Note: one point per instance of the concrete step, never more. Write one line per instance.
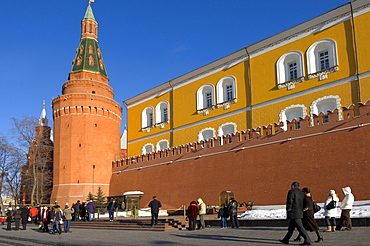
(132, 224)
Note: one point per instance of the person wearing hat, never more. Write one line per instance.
(9, 216)
(331, 211)
(154, 205)
(346, 207)
(67, 218)
(17, 218)
(294, 209)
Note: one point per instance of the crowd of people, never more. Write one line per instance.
(301, 208)
(198, 208)
(49, 218)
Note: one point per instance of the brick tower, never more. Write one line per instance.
(86, 123)
(36, 176)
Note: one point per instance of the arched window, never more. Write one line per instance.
(290, 67)
(227, 128)
(147, 117)
(292, 112)
(161, 112)
(325, 104)
(226, 89)
(322, 56)
(148, 148)
(205, 97)
(206, 133)
(162, 144)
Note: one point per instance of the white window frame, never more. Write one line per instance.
(144, 151)
(159, 112)
(144, 117)
(201, 98)
(282, 68)
(314, 109)
(220, 131)
(200, 134)
(313, 57)
(158, 145)
(222, 89)
(283, 113)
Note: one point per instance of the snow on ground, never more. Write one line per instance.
(361, 209)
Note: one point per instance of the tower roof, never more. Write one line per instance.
(89, 13)
(43, 121)
(88, 55)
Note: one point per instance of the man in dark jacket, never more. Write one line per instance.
(24, 216)
(155, 205)
(76, 208)
(233, 212)
(111, 208)
(294, 208)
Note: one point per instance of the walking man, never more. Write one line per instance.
(294, 208)
(202, 212)
(155, 205)
(111, 208)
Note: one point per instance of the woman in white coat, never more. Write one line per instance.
(331, 213)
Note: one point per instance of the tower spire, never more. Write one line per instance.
(43, 121)
(88, 55)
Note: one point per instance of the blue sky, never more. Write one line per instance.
(144, 42)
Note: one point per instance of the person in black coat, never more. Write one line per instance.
(111, 208)
(76, 208)
(9, 216)
(294, 207)
(233, 212)
(308, 220)
(24, 216)
(155, 205)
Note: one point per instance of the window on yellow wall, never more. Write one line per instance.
(205, 97)
(161, 112)
(325, 104)
(226, 89)
(148, 148)
(206, 133)
(147, 117)
(227, 128)
(292, 112)
(289, 67)
(162, 144)
(321, 55)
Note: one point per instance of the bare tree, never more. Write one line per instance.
(10, 162)
(34, 137)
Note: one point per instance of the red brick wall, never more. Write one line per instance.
(322, 157)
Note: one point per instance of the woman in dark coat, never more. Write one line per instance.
(192, 214)
(9, 216)
(24, 216)
(308, 220)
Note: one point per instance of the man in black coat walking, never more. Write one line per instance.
(76, 208)
(155, 205)
(294, 208)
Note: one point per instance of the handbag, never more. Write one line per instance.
(61, 221)
(331, 205)
(316, 208)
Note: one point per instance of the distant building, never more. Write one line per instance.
(37, 175)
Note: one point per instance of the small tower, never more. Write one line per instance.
(86, 123)
(37, 175)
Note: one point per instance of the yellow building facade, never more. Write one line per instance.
(317, 66)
